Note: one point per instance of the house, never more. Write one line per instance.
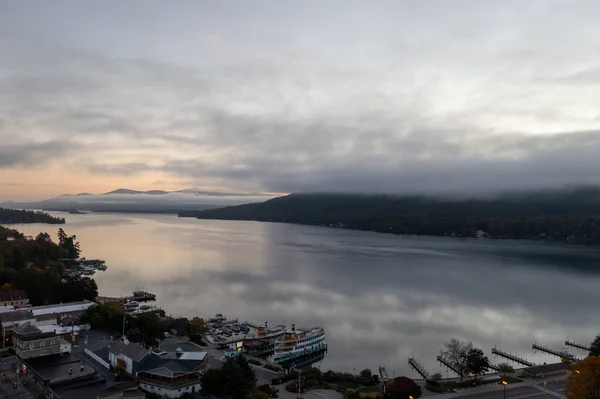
(12, 319)
(177, 326)
(15, 298)
(166, 374)
(172, 375)
(127, 356)
(31, 342)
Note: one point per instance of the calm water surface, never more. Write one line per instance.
(381, 298)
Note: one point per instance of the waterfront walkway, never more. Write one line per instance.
(527, 389)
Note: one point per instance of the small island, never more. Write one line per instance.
(21, 216)
(76, 212)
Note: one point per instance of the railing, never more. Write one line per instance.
(560, 354)
(514, 358)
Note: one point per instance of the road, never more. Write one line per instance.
(553, 390)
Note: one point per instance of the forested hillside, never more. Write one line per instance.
(572, 215)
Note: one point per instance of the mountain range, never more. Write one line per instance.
(151, 201)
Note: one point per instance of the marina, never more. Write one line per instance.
(281, 348)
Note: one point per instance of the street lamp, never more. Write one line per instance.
(505, 384)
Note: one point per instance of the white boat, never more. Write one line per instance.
(297, 343)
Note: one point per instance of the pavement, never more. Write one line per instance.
(311, 394)
(552, 390)
(8, 375)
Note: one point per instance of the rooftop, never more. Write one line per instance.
(61, 308)
(133, 351)
(17, 315)
(60, 329)
(27, 329)
(55, 368)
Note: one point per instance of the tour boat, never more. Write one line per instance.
(299, 347)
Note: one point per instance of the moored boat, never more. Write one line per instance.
(299, 347)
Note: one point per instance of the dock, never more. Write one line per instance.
(412, 362)
(449, 366)
(138, 296)
(578, 345)
(561, 354)
(516, 359)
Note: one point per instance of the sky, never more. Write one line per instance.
(283, 96)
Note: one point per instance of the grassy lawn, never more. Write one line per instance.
(370, 389)
(347, 385)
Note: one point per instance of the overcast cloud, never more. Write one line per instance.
(281, 96)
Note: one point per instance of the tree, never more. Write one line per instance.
(76, 289)
(436, 377)
(366, 373)
(256, 394)
(402, 388)
(149, 327)
(248, 380)
(595, 346)
(107, 316)
(505, 368)
(196, 326)
(235, 378)
(455, 353)
(477, 362)
(584, 380)
(70, 247)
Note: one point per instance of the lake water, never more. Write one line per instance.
(381, 298)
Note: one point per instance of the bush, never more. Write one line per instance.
(351, 394)
(254, 361)
(402, 388)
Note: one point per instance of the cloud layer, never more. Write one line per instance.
(344, 96)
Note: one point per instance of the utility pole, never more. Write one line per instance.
(124, 315)
(299, 382)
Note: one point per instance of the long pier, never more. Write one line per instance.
(512, 357)
(560, 354)
(451, 367)
(412, 362)
(578, 345)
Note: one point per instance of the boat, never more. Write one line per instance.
(300, 347)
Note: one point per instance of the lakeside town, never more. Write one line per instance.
(73, 350)
(61, 339)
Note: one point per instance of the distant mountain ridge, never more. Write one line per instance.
(571, 214)
(150, 201)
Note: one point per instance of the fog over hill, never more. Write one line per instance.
(126, 200)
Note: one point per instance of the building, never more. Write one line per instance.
(15, 298)
(30, 342)
(53, 314)
(12, 319)
(166, 374)
(172, 374)
(127, 356)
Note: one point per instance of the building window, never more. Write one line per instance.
(43, 343)
(52, 341)
(31, 345)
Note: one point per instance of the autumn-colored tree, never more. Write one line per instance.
(6, 287)
(505, 368)
(584, 380)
